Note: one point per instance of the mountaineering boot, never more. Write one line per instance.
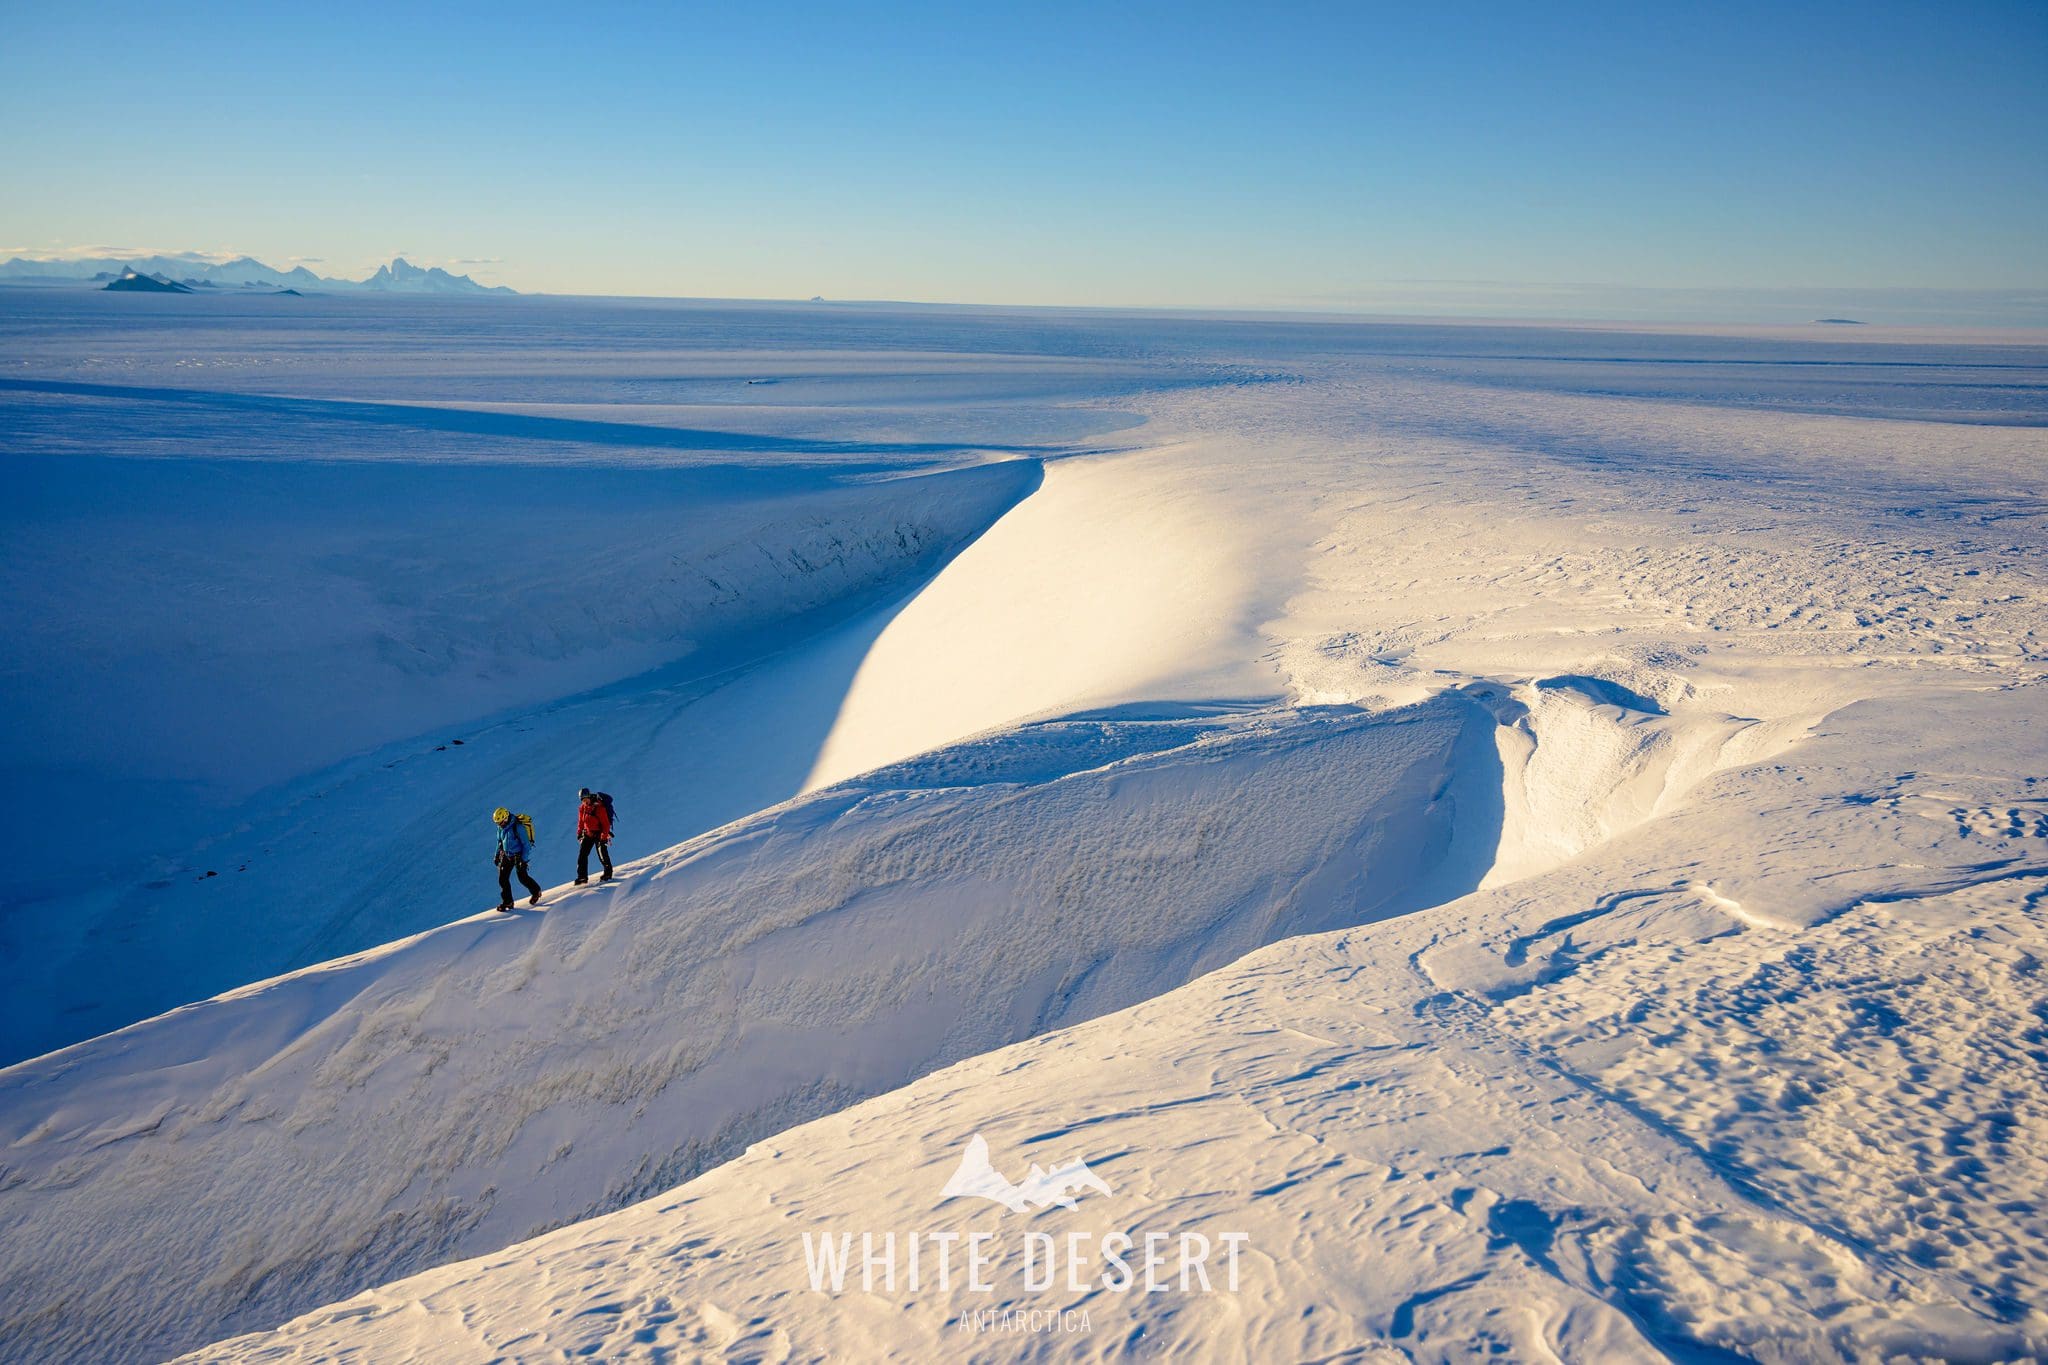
(534, 899)
(583, 881)
(607, 877)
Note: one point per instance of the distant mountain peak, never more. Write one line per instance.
(400, 276)
(403, 276)
(133, 281)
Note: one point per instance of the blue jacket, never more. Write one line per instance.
(512, 840)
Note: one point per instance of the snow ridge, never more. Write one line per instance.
(625, 608)
(315, 1134)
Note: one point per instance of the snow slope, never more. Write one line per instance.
(1018, 626)
(1611, 1112)
(1680, 757)
(284, 700)
(323, 1132)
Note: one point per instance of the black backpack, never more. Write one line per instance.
(611, 812)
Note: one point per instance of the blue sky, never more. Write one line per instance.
(1305, 156)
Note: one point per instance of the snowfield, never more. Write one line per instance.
(1485, 841)
(1565, 1121)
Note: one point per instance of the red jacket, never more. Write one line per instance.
(593, 821)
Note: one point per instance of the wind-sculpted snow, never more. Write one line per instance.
(1608, 1112)
(1750, 1075)
(1661, 711)
(303, 1138)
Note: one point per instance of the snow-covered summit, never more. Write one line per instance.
(133, 281)
(403, 277)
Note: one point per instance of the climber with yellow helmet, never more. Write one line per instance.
(515, 846)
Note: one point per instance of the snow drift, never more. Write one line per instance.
(297, 1140)
(1678, 1099)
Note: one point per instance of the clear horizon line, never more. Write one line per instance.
(1335, 313)
(1825, 299)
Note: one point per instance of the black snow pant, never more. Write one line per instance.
(604, 855)
(506, 867)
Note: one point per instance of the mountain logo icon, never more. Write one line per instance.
(1040, 1188)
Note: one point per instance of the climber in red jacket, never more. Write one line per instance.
(594, 830)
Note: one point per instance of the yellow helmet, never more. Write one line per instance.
(501, 816)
